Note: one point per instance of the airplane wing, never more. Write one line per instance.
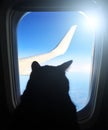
(25, 63)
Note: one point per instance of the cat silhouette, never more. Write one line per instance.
(45, 102)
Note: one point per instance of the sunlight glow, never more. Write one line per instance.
(93, 20)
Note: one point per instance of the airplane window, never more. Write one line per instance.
(55, 37)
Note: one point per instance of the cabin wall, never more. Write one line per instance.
(4, 111)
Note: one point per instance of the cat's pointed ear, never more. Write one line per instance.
(35, 65)
(65, 65)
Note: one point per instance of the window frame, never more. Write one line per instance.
(14, 14)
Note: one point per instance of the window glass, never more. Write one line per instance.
(39, 33)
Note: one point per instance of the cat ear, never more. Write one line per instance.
(35, 65)
(65, 65)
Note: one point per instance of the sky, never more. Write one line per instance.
(41, 32)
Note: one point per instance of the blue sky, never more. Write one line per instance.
(36, 30)
(41, 32)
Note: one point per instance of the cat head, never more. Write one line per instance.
(49, 79)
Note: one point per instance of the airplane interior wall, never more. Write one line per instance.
(101, 121)
(4, 109)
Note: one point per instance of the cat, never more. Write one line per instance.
(45, 102)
